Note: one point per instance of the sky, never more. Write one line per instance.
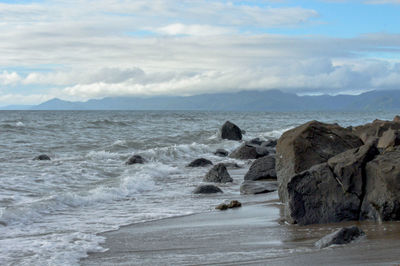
(83, 49)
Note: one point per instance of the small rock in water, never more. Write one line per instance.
(231, 131)
(231, 205)
(234, 204)
(135, 159)
(221, 152)
(218, 174)
(200, 163)
(340, 237)
(42, 157)
(222, 207)
(207, 189)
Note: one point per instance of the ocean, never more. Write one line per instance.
(51, 212)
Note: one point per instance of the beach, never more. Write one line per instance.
(251, 235)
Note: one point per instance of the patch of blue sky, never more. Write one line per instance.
(43, 68)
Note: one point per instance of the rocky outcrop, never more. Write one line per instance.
(315, 196)
(231, 131)
(201, 162)
(342, 236)
(135, 159)
(207, 189)
(390, 138)
(373, 131)
(218, 174)
(382, 193)
(308, 145)
(42, 157)
(262, 168)
(221, 152)
(257, 187)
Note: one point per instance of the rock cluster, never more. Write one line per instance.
(327, 173)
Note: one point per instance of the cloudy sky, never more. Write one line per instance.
(82, 49)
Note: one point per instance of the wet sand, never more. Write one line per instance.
(251, 235)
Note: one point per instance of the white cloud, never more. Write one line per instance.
(7, 78)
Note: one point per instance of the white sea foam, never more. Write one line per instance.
(19, 124)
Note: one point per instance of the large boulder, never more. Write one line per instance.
(348, 167)
(382, 192)
(231, 131)
(372, 131)
(42, 157)
(135, 159)
(218, 174)
(340, 237)
(309, 144)
(257, 187)
(207, 189)
(262, 168)
(201, 162)
(315, 196)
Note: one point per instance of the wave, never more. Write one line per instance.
(106, 122)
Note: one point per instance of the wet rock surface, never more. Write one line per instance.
(258, 187)
(201, 162)
(231, 131)
(207, 189)
(340, 237)
(261, 169)
(218, 174)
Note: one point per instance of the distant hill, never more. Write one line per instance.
(272, 100)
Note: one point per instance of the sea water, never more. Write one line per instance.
(52, 211)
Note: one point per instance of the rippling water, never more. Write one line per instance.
(51, 211)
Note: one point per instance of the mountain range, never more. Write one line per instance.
(271, 100)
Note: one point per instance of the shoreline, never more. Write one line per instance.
(250, 235)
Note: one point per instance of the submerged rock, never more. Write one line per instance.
(231, 131)
(207, 189)
(231, 205)
(262, 168)
(340, 237)
(234, 204)
(218, 174)
(222, 207)
(42, 157)
(309, 144)
(135, 159)
(257, 187)
(200, 163)
(221, 152)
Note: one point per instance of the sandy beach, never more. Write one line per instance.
(251, 235)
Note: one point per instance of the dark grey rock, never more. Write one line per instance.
(231, 131)
(135, 159)
(201, 162)
(382, 192)
(349, 167)
(42, 157)
(258, 187)
(249, 151)
(262, 168)
(218, 174)
(232, 165)
(315, 196)
(221, 152)
(207, 189)
(340, 237)
(309, 144)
